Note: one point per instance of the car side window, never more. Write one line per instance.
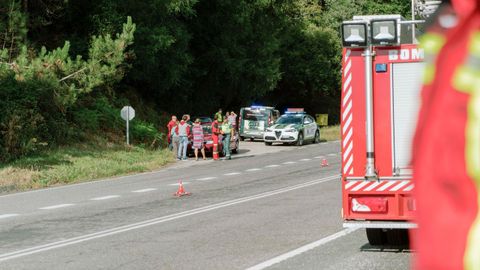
(307, 120)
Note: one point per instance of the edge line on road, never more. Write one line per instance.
(301, 250)
(154, 221)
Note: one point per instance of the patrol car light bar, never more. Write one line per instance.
(295, 110)
(384, 32)
(354, 34)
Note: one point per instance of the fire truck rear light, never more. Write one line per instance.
(369, 205)
(384, 32)
(354, 34)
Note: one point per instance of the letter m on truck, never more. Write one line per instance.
(382, 69)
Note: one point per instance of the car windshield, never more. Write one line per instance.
(207, 128)
(290, 119)
(255, 114)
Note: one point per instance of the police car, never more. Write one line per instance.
(295, 126)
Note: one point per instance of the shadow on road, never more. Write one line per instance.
(386, 248)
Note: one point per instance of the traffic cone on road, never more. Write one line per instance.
(181, 191)
(324, 162)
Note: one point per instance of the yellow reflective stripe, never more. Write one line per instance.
(428, 73)
(465, 78)
(472, 153)
(474, 46)
(432, 43)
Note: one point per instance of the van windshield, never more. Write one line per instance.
(255, 114)
(286, 120)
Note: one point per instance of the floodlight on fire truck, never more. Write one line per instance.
(354, 34)
(384, 32)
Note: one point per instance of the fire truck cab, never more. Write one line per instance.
(382, 69)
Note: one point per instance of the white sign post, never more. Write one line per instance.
(127, 113)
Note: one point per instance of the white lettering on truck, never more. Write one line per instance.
(406, 54)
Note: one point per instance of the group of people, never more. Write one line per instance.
(181, 132)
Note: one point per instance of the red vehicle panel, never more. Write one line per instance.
(389, 197)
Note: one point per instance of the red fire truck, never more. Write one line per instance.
(381, 77)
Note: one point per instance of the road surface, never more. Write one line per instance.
(267, 208)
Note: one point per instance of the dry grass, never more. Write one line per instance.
(79, 164)
(330, 133)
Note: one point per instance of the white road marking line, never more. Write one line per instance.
(305, 159)
(163, 219)
(144, 190)
(289, 162)
(105, 198)
(8, 215)
(272, 166)
(183, 183)
(253, 170)
(318, 157)
(232, 173)
(301, 250)
(56, 206)
(206, 178)
(334, 154)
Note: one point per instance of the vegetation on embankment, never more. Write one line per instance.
(78, 163)
(330, 133)
(68, 67)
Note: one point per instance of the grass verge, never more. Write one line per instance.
(330, 133)
(80, 163)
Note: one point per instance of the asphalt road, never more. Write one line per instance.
(268, 208)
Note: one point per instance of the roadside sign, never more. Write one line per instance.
(127, 113)
(322, 119)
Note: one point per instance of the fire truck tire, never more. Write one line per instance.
(397, 237)
(376, 237)
(300, 139)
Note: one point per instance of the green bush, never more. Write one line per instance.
(92, 114)
(145, 134)
(28, 118)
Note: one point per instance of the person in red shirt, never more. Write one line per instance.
(170, 125)
(215, 136)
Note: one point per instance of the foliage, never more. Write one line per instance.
(64, 76)
(79, 163)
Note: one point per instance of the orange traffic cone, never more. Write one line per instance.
(181, 191)
(324, 162)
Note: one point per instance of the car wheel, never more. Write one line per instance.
(317, 137)
(300, 139)
(268, 143)
(252, 139)
(242, 138)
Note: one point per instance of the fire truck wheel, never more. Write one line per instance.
(300, 139)
(397, 237)
(376, 237)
